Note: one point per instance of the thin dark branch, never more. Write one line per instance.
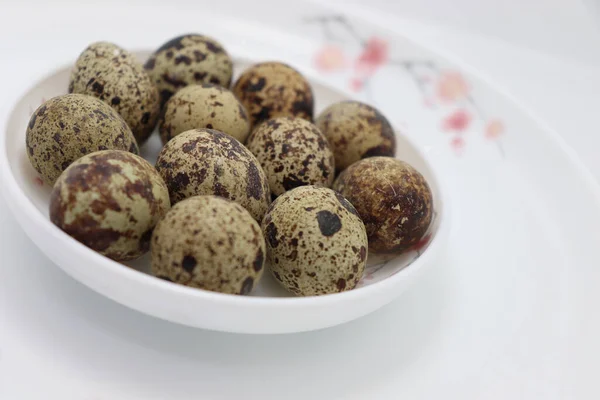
(327, 31)
(500, 148)
(478, 110)
(350, 28)
(378, 267)
(367, 89)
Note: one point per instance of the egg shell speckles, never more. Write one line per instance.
(210, 243)
(204, 106)
(209, 162)
(316, 242)
(355, 131)
(110, 201)
(392, 198)
(188, 59)
(112, 74)
(68, 127)
(273, 89)
(292, 152)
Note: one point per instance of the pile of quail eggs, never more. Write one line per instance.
(247, 179)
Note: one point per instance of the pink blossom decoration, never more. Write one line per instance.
(452, 86)
(458, 144)
(356, 84)
(422, 243)
(458, 121)
(374, 55)
(494, 129)
(330, 58)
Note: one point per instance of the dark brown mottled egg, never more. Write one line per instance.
(274, 89)
(110, 201)
(210, 243)
(112, 74)
(355, 131)
(292, 152)
(186, 60)
(392, 198)
(68, 127)
(209, 162)
(316, 242)
(204, 106)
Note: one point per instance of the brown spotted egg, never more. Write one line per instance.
(292, 152)
(316, 242)
(274, 89)
(186, 60)
(355, 131)
(112, 74)
(392, 198)
(68, 127)
(204, 106)
(209, 162)
(210, 243)
(110, 201)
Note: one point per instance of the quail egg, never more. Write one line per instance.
(209, 162)
(112, 74)
(274, 89)
(355, 131)
(392, 198)
(68, 127)
(210, 243)
(110, 201)
(292, 152)
(186, 60)
(316, 242)
(204, 106)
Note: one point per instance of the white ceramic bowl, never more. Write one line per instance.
(268, 310)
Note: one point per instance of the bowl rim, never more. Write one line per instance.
(20, 203)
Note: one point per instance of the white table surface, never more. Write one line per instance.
(90, 339)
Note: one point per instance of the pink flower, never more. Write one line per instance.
(356, 84)
(458, 144)
(458, 121)
(373, 56)
(330, 58)
(451, 87)
(422, 243)
(494, 129)
(38, 181)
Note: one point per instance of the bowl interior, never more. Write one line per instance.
(378, 268)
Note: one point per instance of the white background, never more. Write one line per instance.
(545, 53)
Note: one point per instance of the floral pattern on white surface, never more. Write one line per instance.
(446, 92)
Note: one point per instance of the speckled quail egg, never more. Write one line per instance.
(204, 106)
(209, 162)
(210, 243)
(106, 71)
(355, 131)
(110, 201)
(292, 152)
(316, 242)
(274, 89)
(392, 198)
(188, 59)
(68, 127)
